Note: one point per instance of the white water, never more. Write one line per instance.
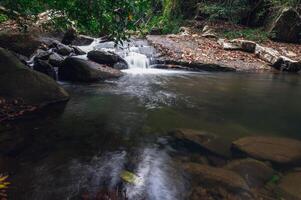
(137, 54)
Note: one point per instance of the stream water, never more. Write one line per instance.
(112, 126)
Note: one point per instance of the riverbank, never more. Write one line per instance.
(201, 46)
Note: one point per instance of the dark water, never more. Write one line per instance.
(120, 125)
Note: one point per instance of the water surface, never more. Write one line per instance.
(117, 125)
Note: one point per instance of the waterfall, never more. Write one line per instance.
(137, 60)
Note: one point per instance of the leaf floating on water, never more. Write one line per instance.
(130, 177)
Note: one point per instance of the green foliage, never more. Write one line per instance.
(3, 18)
(254, 34)
(168, 21)
(95, 17)
(234, 11)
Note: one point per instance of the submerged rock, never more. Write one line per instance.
(76, 69)
(290, 186)
(207, 176)
(18, 81)
(275, 149)
(255, 173)
(107, 58)
(203, 140)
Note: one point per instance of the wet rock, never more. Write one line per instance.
(275, 149)
(103, 57)
(287, 26)
(76, 69)
(82, 40)
(203, 140)
(213, 177)
(23, 44)
(45, 68)
(201, 193)
(255, 173)
(286, 64)
(56, 60)
(290, 185)
(216, 161)
(42, 55)
(78, 51)
(121, 65)
(63, 50)
(69, 36)
(18, 81)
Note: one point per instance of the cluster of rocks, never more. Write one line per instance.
(65, 61)
(269, 55)
(30, 66)
(253, 167)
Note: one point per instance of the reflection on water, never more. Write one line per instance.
(114, 126)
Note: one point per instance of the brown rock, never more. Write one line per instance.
(207, 176)
(255, 173)
(290, 186)
(275, 149)
(204, 140)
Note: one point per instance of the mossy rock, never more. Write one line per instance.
(19, 81)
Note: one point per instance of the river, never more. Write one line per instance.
(116, 125)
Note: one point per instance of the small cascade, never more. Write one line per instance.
(137, 60)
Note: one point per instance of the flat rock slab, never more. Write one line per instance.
(255, 173)
(290, 186)
(207, 176)
(206, 141)
(197, 52)
(275, 149)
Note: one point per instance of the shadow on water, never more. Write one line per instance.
(67, 152)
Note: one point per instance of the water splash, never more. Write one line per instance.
(137, 61)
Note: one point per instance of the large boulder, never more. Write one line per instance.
(203, 141)
(18, 81)
(23, 44)
(255, 173)
(212, 177)
(278, 150)
(104, 57)
(76, 69)
(286, 27)
(290, 186)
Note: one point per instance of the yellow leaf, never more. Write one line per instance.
(130, 177)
